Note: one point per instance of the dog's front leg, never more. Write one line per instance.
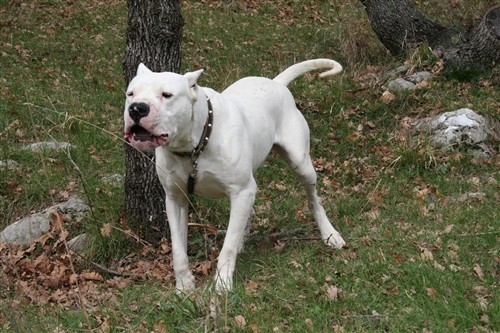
(241, 210)
(177, 213)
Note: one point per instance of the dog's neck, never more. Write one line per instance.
(197, 128)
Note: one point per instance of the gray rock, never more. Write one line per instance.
(419, 77)
(74, 205)
(48, 145)
(399, 85)
(460, 128)
(79, 243)
(31, 227)
(27, 229)
(397, 72)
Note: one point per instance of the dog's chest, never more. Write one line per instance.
(208, 184)
(207, 181)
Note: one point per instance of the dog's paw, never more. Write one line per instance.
(334, 239)
(223, 285)
(184, 285)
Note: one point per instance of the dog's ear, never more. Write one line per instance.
(192, 78)
(142, 69)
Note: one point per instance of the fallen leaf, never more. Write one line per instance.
(354, 136)
(448, 228)
(56, 221)
(422, 84)
(392, 290)
(251, 287)
(485, 319)
(426, 255)
(295, 264)
(439, 266)
(254, 328)
(333, 293)
(203, 267)
(118, 283)
(73, 278)
(279, 245)
(240, 321)
(337, 328)
(373, 214)
(431, 292)
(387, 97)
(280, 187)
(479, 272)
(104, 324)
(160, 327)
(106, 230)
(91, 275)
(398, 257)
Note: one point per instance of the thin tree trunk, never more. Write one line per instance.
(154, 34)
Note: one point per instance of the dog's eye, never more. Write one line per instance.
(167, 95)
(130, 93)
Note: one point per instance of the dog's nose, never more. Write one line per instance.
(138, 111)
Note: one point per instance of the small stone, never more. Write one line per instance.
(419, 77)
(399, 85)
(397, 72)
(73, 205)
(29, 228)
(79, 243)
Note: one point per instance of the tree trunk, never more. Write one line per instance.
(480, 46)
(400, 27)
(154, 34)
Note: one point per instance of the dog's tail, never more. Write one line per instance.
(294, 71)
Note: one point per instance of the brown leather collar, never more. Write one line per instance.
(202, 144)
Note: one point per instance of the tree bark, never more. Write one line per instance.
(400, 27)
(480, 46)
(154, 34)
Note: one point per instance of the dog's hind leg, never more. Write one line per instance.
(247, 229)
(294, 148)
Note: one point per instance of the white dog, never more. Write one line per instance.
(211, 143)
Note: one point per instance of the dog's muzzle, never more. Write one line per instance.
(141, 136)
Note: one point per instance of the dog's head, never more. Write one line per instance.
(159, 108)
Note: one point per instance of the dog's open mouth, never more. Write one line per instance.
(139, 133)
(142, 139)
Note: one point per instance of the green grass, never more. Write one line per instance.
(414, 249)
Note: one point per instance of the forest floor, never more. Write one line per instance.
(422, 252)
